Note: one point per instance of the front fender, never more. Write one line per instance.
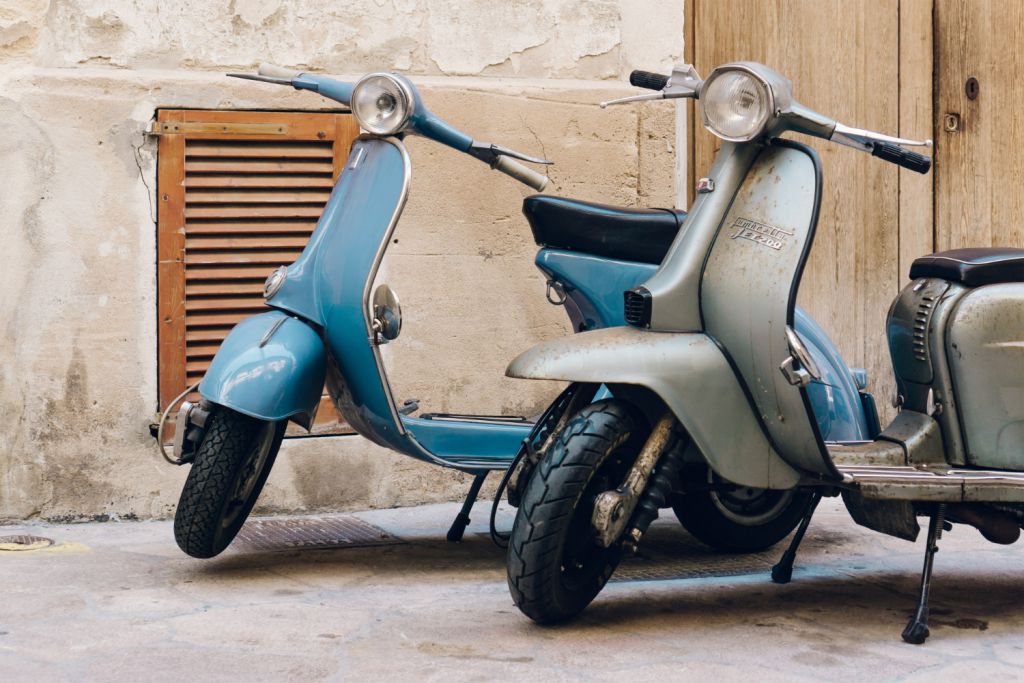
(271, 367)
(690, 374)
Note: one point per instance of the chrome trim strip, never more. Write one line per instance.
(270, 332)
(371, 276)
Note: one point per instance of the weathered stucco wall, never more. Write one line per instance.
(80, 82)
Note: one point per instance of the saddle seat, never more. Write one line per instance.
(643, 235)
(972, 267)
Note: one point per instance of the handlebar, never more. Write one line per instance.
(421, 122)
(514, 169)
(648, 79)
(895, 154)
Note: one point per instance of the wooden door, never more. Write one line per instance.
(844, 60)
(979, 164)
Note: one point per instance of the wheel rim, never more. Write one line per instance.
(584, 561)
(249, 475)
(748, 505)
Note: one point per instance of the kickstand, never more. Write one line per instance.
(462, 519)
(783, 571)
(917, 628)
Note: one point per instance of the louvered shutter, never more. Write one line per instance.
(239, 194)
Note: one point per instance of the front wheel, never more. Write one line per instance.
(555, 565)
(231, 466)
(738, 519)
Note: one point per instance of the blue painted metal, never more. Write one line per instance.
(421, 122)
(466, 442)
(330, 282)
(276, 379)
(339, 91)
(593, 285)
(835, 399)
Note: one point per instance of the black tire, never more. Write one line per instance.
(555, 566)
(738, 519)
(231, 466)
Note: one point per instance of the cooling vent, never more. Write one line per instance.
(638, 307)
(920, 344)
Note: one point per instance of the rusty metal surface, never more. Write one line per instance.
(614, 509)
(941, 484)
(748, 292)
(689, 373)
(310, 532)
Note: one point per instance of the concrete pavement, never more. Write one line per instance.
(120, 602)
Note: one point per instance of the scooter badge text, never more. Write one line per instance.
(762, 233)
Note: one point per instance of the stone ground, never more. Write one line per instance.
(119, 602)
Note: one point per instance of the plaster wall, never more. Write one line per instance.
(79, 82)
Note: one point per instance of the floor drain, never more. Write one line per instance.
(311, 532)
(667, 552)
(24, 542)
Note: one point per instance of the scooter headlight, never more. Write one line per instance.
(381, 103)
(736, 105)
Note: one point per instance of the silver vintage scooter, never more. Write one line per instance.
(710, 369)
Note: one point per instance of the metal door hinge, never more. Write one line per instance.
(207, 128)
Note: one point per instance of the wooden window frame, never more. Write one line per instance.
(177, 128)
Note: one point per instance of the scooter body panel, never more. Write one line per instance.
(748, 294)
(330, 285)
(271, 367)
(985, 348)
(835, 398)
(957, 356)
(690, 373)
(593, 285)
(469, 443)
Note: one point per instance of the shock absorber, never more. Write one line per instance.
(659, 487)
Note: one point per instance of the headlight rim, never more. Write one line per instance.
(407, 95)
(766, 86)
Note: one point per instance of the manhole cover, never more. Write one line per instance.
(24, 542)
(671, 553)
(311, 532)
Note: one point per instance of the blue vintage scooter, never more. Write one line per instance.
(326, 326)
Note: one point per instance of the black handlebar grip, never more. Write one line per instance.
(648, 79)
(918, 163)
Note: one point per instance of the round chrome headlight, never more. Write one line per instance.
(735, 105)
(381, 103)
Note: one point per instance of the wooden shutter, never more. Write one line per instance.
(239, 194)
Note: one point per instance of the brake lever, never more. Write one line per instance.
(865, 140)
(489, 152)
(264, 79)
(635, 98)
(684, 82)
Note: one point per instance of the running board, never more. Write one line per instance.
(481, 419)
(935, 484)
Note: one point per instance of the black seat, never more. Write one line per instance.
(611, 231)
(972, 267)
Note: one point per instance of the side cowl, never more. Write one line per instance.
(690, 374)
